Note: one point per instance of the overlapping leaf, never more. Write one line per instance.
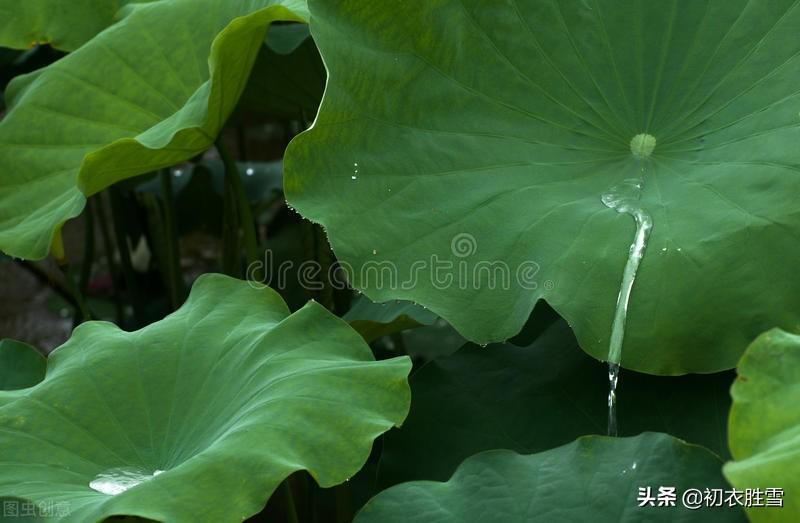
(504, 123)
(373, 320)
(531, 399)
(21, 365)
(592, 479)
(208, 410)
(765, 426)
(151, 91)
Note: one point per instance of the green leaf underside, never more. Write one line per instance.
(373, 320)
(764, 423)
(62, 25)
(21, 365)
(228, 396)
(592, 479)
(508, 122)
(531, 399)
(151, 91)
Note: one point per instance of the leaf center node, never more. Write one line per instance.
(642, 145)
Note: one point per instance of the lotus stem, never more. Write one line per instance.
(172, 243)
(238, 213)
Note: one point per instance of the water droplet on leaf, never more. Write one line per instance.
(118, 480)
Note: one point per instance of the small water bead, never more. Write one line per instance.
(178, 173)
(250, 171)
(118, 480)
(354, 177)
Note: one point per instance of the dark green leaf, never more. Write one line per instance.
(530, 399)
(21, 366)
(373, 320)
(591, 479)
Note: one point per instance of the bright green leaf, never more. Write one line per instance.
(592, 479)
(21, 366)
(530, 399)
(495, 127)
(151, 91)
(227, 396)
(764, 424)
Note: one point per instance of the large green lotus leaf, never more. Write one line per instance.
(63, 25)
(470, 132)
(530, 399)
(595, 478)
(227, 396)
(151, 91)
(764, 424)
(21, 365)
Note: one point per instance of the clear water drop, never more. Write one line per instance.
(353, 177)
(118, 480)
(178, 173)
(250, 171)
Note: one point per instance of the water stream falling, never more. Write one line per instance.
(625, 198)
(118, 480)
